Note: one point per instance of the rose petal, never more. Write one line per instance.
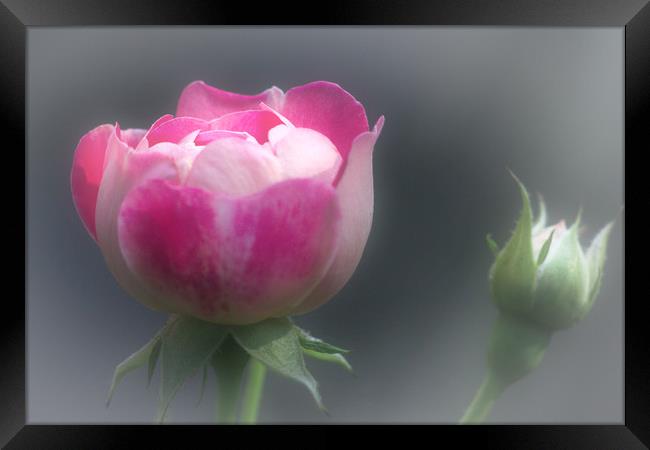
(355, 194)
(124, 170)
(160, 121)
(328, 109)
(175, 129)
(198, 99)
(144, 142)
(86, 175)
(205, 137)
(132, 136)
(229, 260)
(273, 111)
(305, 153)
(276, 134)
(256, 123)
(183, 156)
(234, 167)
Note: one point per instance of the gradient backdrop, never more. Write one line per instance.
(461, 104)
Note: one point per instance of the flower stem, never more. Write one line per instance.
(229, 363)
(483, 401)
(253, 393)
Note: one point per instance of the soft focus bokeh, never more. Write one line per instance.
(462, 105)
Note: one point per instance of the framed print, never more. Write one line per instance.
(383, 213)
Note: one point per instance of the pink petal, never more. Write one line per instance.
(228, 260)
(125, 169)
(234, 166)
(327, 108)
(182, 155)
(282, 119)
(305, 153)
(255, 122)
(156, 124)
(132, 136)
(161, 120)
(206, 102)
(205, 137)
(175, 129)
(355, 194)
(86, 175)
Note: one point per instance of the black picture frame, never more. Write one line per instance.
(16, 16)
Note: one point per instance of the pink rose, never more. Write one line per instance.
(240, 208)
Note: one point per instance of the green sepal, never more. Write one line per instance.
(543, 253)
(335, 358)
(135, 361)
(153, 359)
(540, 222)
(561, 290)
(321, 350)
(229, 363)
(513, 273)
(275, 343)
(596, 261)
(309, 342)
(578, 220)
(492, 244)
(187, 345)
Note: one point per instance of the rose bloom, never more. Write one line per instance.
(239, 208)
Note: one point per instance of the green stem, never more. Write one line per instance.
(229, 363)
(253, 393)
(227, 396)
(479, 409)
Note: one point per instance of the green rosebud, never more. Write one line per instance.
(542, 274)
(541, 281)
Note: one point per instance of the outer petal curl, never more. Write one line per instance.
(173, 130)
(355, 194)
(257, 123)
(124, 170)
(86, 175)
(200, 100)
(326, 107)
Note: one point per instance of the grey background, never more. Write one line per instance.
(461, 106)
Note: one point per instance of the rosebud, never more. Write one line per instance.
(541, 281)
(543, 275)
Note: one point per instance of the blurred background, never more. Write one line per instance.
(462, 105)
